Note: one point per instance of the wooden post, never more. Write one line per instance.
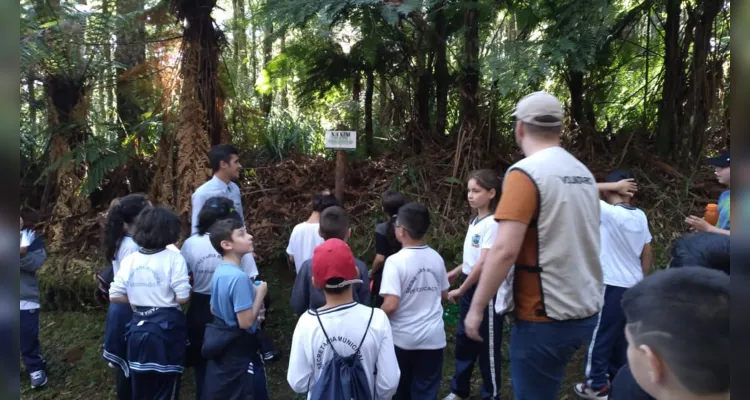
(340, 176)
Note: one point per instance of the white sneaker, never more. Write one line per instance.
(111, 365)
(452, 396)
(585, 392)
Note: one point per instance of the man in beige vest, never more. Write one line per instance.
(549, 228)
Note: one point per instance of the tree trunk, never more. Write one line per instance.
(240, 42)
(130, 53)
(441, 72)
(470, 80)
(284, 90)
(109, 82)
(369, 89)
(267, 100)
(673, 76)
(32, 104)
(253, 45)
(422, 94)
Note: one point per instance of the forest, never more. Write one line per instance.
(125, 96)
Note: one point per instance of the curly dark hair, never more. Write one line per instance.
(156, 228)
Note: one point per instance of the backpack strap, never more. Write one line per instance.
(367, 328)
(317, 315)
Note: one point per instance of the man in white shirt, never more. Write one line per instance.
(626, 258)
(345, 322)
(305, 236)
(414, 284)
(226, 167)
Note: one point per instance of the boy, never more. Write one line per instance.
(678, 334)
(226, 167)
(229, 343)
(352, 327)
(626, 258)
(334, 224)
(721, 170)
(414, 283)
(305, 237)
(32, 258)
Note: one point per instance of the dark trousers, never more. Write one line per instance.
(488, 351)
(30, 349)
(377, 279)
(540, 352)
(155, 386)
(123, 385)
(260, 384)
(421, 371)
(608, 348)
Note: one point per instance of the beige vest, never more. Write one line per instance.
(568, 234)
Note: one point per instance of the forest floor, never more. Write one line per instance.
(71, 343)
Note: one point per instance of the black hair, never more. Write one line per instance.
(156, 228)
(214, 209)
(415, 219)
(334, 223)
(323, 200)
(683, 315)
(221, 231)
(120, 213)
(219, 153)
(391, 202)
(487, 179)
(702, 249)
(338, 290)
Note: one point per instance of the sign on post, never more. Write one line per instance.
(341, 140)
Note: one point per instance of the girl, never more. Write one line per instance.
(483, 193)
(385, 241)
(202, 260)
(155, 282)
(118, 243)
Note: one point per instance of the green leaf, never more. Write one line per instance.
(453, 180)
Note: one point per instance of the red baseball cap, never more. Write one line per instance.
(334, 259)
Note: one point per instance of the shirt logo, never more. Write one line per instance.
(475, 241)
(576, 180)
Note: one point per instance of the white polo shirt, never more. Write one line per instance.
(202, 260)
(127, 247)
(303, 241)
(418, 277)
(479, 237)
(152, 280)
(345, 326)
(624, 232)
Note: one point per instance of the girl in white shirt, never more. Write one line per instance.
(155, 282)
(483, 189)
(117, 243)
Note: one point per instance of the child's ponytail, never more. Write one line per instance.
(118, 215)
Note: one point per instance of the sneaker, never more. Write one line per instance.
(111, 365)
(453, 396)
(274, 355)
(38, 379)
(584, 391)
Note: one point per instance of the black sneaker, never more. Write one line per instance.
(274, 355)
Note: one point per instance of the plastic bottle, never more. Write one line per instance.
(712, 214)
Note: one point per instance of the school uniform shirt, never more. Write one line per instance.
(623, 231)
(304, 239)
(231, 292)
(127, 247)
(345, 325)
(202, 260)
(479, 237)
(214, 187)
(152, 279)
(418, 277)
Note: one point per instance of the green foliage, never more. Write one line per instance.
(286, 133)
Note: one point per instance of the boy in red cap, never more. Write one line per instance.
(341, 328)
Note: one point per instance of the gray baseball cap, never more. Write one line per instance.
(539, 104)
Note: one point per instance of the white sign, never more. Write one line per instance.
(341, 140)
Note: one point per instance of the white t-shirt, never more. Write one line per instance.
(202, 260)
(304, 239)
(127, 247)
(152, 280)
(345, 326)
(418, 277)
(479, 237)
(624, 232)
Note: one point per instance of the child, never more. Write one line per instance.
(356, 328)
(414, 282)
(118, 243)
(334, 224)
(32, 257)
(678, 337)
(722, 172)
(626, 258)
(202, 260)
(305, 237)
(702, 249)
(229, 344)
(484, 188)
(385, 241)
(155, 282)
